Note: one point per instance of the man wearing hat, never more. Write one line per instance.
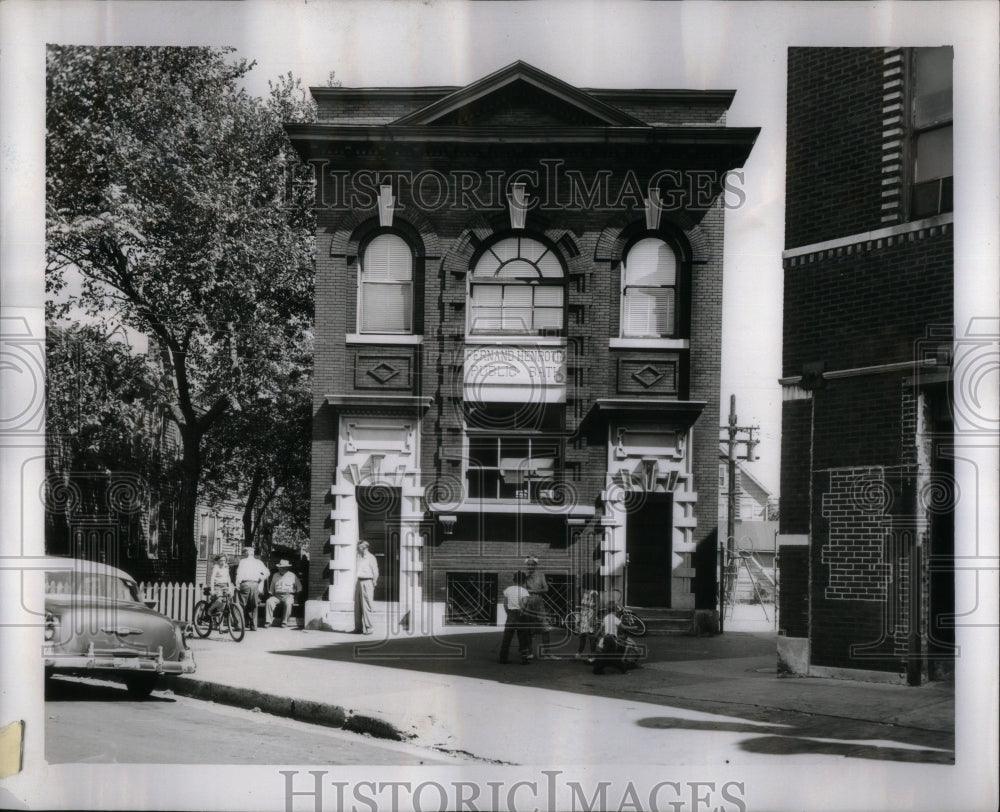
(284, 586)
(250, 576)
(366, 573)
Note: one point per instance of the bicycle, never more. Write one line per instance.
(631, 623)
(228, 619)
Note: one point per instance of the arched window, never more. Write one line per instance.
(385, 289)
(517, 286)
(649, 290)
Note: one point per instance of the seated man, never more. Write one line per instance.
(283, 588)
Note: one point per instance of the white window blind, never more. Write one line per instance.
(386, 301)
(649, 293)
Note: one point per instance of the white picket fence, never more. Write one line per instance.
(176, 601)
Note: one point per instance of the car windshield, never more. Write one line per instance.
(98, 585)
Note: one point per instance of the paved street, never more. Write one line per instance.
(92, 721)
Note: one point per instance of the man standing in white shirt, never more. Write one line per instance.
(364, 592)
(250, 576)
(514, 597)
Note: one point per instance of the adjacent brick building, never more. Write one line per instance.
(518, 318)
(866, 478)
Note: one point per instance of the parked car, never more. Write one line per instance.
(96, 624)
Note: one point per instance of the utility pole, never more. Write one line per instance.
(734, 436)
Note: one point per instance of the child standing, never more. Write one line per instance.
(220, 582)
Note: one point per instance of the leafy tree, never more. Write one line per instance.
(101, 419)
(167, 193)
(262, 454)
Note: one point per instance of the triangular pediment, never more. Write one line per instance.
(520, 95)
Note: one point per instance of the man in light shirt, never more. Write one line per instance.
(283, 588)
(364, 592)
(250, 576)
(514, 597)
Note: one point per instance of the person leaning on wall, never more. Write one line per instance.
(366, 573)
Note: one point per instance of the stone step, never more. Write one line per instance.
(666, 621)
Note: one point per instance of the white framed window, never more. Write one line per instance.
(649, 290)
(931, 132)
(385, 286)
(510, 467)
(517, 287)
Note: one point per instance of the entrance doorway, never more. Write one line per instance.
(648, 531)
(378, 524)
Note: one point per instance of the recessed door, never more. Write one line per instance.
(648, 533)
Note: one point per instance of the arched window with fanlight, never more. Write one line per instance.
(649, 290)
(517, 286)
(385, 286)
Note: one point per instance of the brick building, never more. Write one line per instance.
(518, 317)
(867, 494)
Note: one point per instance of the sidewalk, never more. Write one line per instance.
(448, 692)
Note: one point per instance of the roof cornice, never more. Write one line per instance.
(717, 148)
(672, 95)
(397, 133)
(427, 94)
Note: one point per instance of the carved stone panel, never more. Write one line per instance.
(384, 372)
(648, 376)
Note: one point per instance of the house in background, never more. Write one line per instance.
(518, 341)
(754, 500)
(867, 486)
(754, 543)
(219, 530)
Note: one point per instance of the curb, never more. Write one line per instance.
(303, 710)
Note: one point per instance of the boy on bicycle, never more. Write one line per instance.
(614, 647)
(220, 583)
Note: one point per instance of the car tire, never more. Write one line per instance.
(140, 685)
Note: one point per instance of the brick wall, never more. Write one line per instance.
(796, 437)
(793, 597)
(869, 305)
(834, 143)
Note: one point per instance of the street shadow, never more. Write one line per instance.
(476, 653)
(770, 740)
(794, 745)
(61, 689)
(676, 723)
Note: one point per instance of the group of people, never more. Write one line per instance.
(528, 617)
(253, 580)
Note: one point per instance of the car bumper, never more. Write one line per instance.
(102, 661)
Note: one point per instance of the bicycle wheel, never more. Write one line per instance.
(236, 630)
(633, 624)
(572, 622)
(202, 621)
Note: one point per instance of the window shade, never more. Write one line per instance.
(386, 286)
(386, 307)
(649, 311)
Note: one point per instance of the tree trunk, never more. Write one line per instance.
(187, 507)
(249, 528)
